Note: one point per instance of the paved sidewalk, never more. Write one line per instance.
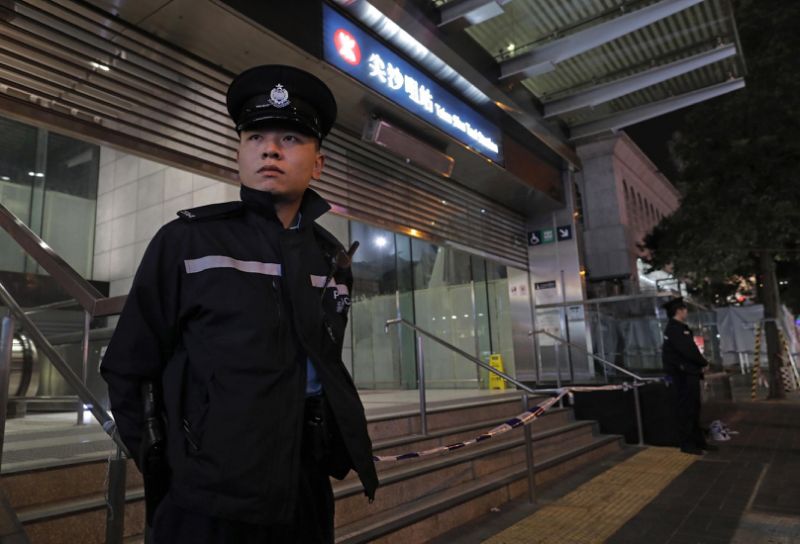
(746, 493)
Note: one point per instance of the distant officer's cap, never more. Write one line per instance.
(674, 305)
(281, 94)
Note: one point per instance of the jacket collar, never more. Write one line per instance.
(262, 202)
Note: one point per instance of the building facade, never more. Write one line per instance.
(623, 196)
(445, 159)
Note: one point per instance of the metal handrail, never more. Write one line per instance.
(95, 305)
(637, 379)
(89, 298)
(464, 354)
(66, 277)
(86, 396)
(593, 356)
(423, 412)
(604, 300)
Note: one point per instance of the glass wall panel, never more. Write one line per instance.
(376, 355)
(444, 305)
(49, 181)
(68, 218)
(405, 297)
(17, 162)
(500, 314)
(482, 321)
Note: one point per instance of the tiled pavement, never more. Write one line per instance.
(746, 493)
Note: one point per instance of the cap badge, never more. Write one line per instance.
(279, 96)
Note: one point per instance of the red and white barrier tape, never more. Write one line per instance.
(525, 418)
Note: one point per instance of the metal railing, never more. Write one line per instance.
(636, 378)
(94, 304)
(526, 390)
(423, 411)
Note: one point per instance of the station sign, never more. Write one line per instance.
(363, 57)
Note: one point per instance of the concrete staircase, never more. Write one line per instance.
(418, 499)
(422, 498)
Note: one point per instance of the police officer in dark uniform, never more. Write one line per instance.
(684, 364)
(236, 320)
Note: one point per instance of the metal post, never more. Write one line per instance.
(87, 320)
(115, 514)
(557, 352)
(565, 314)
(423, 414)
(6, 349)
(529, 454)
(602, 339)
(638, 409)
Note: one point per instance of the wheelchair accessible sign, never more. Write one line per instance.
(548, 236)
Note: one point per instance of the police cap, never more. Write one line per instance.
(281, 94)
(673, 305)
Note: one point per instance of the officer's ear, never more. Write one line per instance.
(319, 163)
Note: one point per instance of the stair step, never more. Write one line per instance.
(495, 489)
(470, 429)
(82, 520)
(27, 490)
(405, 482)
(402, 470)
(406, 422)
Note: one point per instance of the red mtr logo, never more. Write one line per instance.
(347, 46)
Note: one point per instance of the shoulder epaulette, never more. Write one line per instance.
(211, 211)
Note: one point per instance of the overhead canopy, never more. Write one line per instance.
(600, 65)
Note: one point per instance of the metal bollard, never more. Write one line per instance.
(529, 454)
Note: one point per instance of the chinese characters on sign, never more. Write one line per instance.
(365, 58)
(392, 77)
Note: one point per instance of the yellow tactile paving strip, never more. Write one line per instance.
(598, 508)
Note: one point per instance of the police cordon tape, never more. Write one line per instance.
(525, 418)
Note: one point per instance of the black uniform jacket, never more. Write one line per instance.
(223, 311)
(679, 353)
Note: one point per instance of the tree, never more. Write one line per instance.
(738, 158)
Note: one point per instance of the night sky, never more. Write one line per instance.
(653, 136)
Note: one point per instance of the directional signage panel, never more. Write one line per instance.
(358, 54)
(564, 233)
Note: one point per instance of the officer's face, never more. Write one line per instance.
(681, 314)
(279, 160)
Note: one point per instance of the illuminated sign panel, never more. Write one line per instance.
(355, 52)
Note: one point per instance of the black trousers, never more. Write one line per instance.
(313, 519)
(690, 435)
